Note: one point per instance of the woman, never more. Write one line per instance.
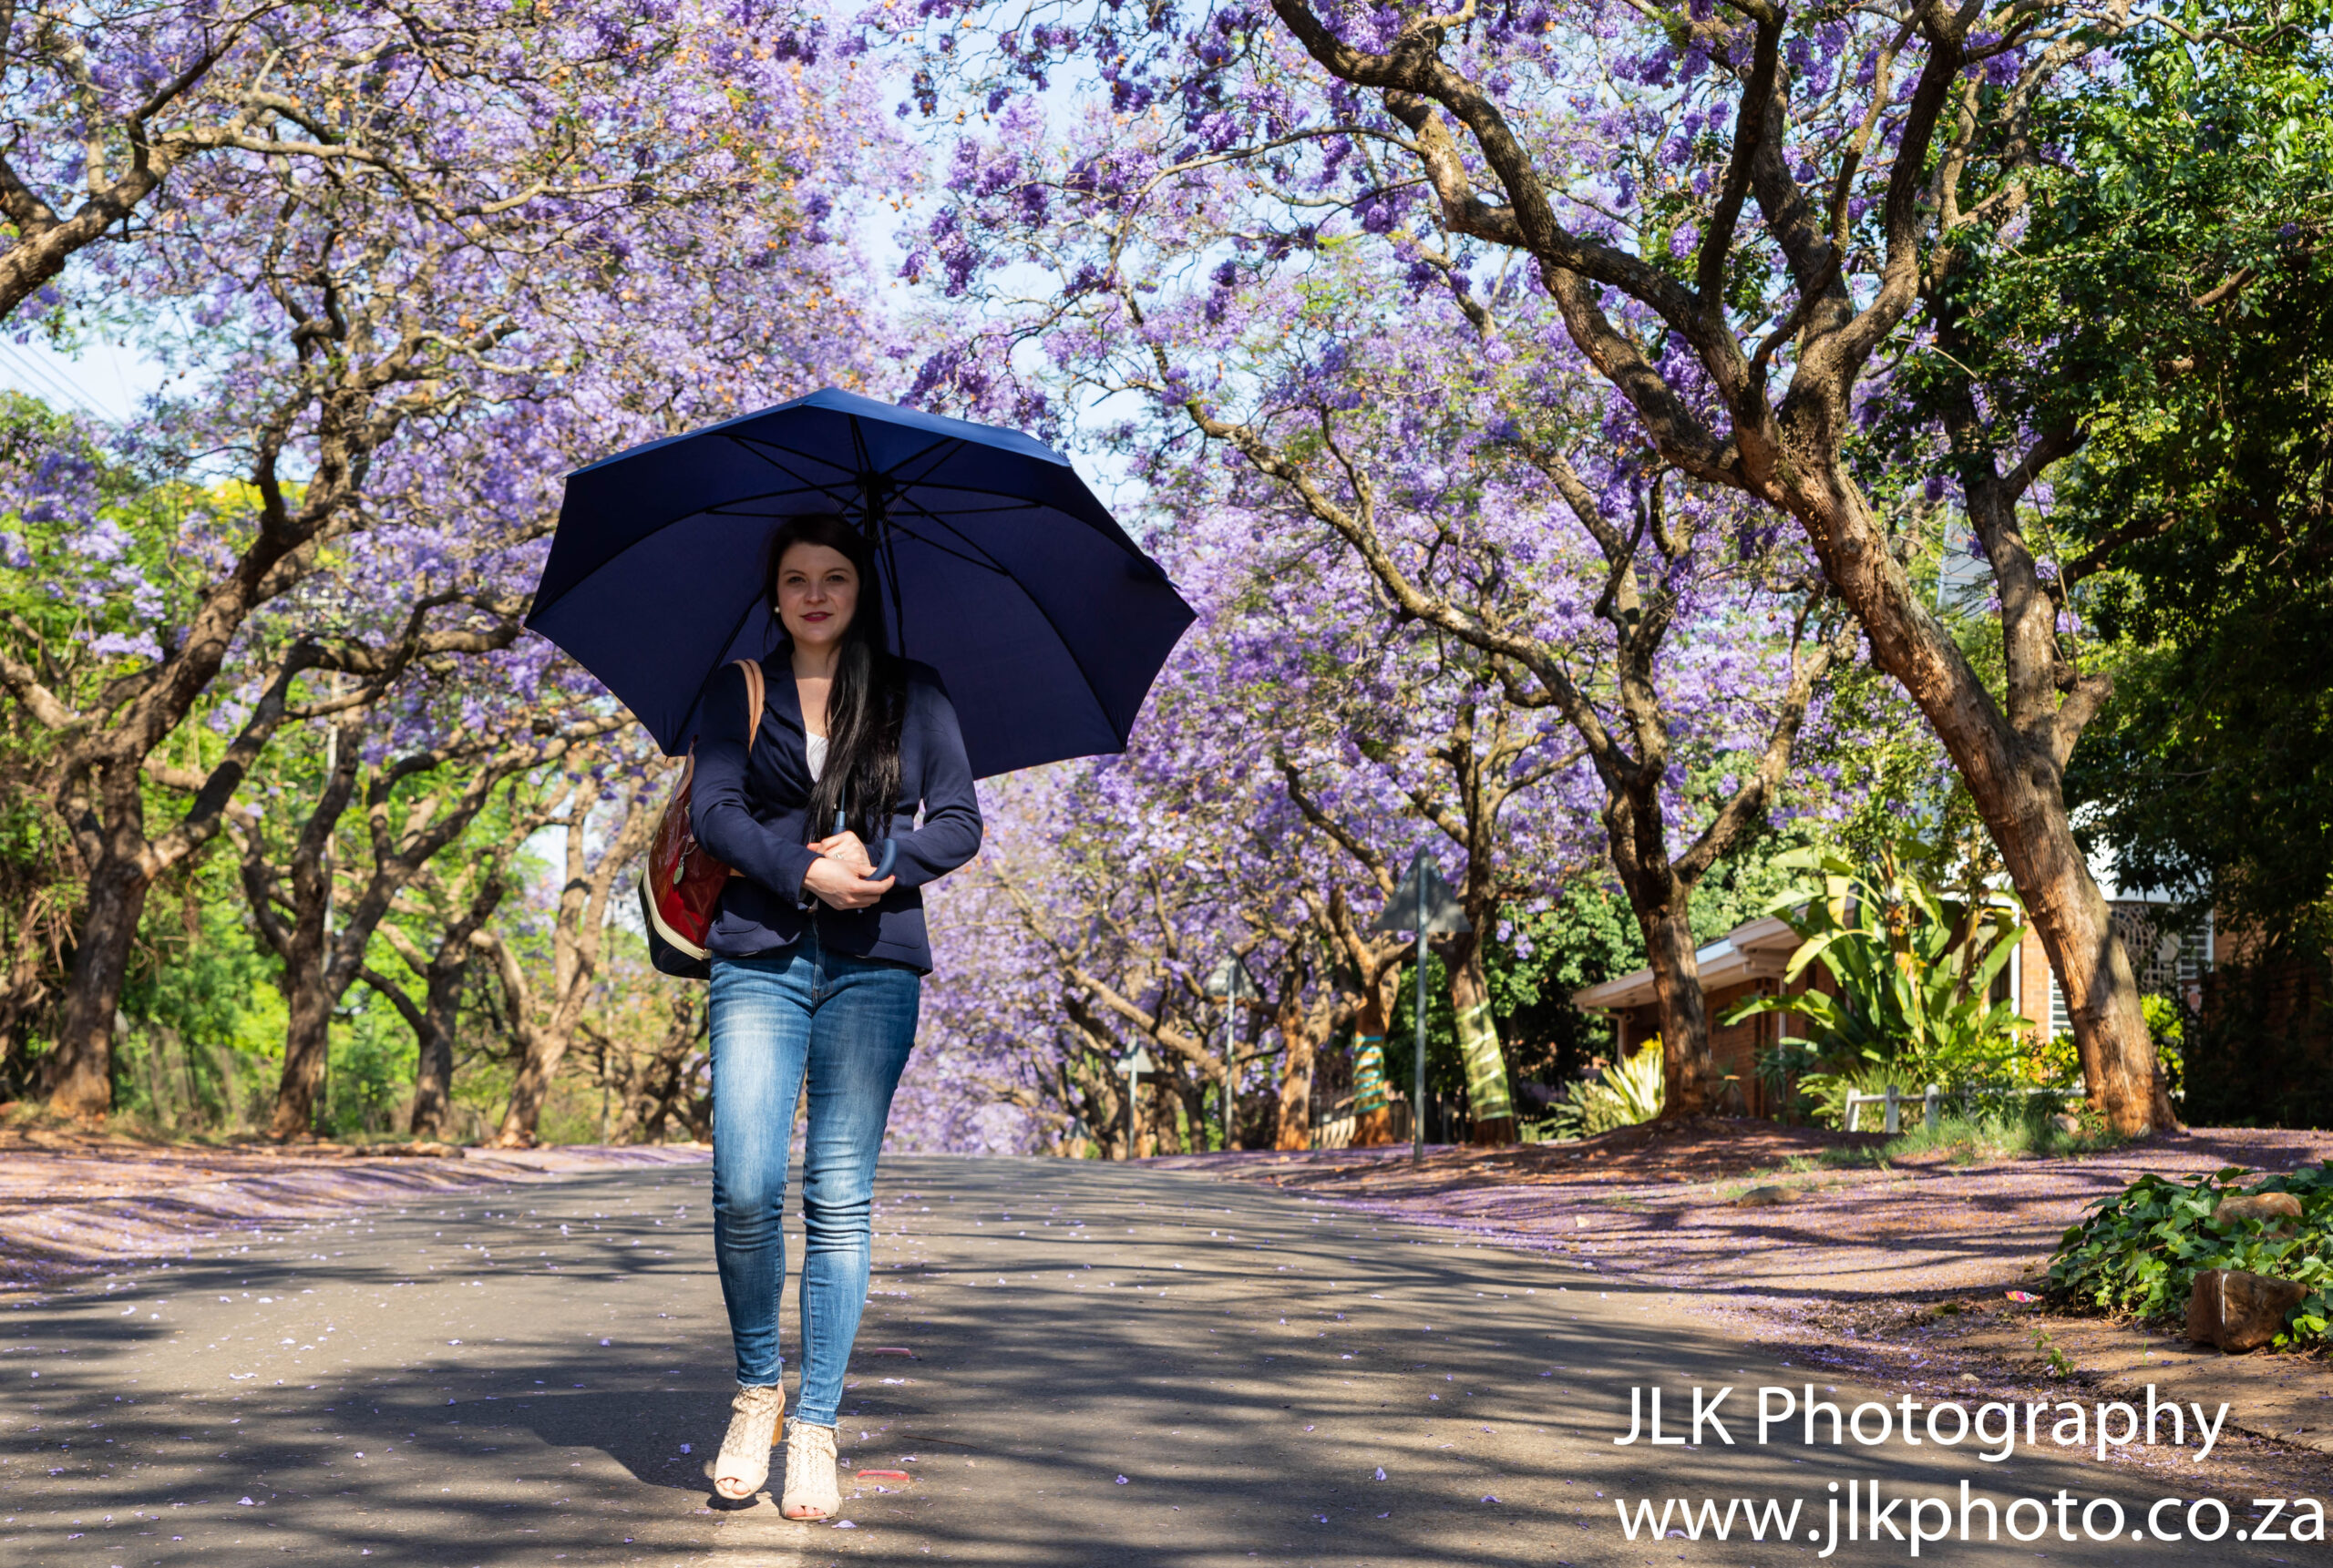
(818, 969)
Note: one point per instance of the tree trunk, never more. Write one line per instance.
(79, 1070)
(308, 994)
(1662, 901)
(650, 1091)
(1302, 1033)
(1488, 1099)
(433, 1084)
(2070, 914)
(544, 1049)
(1373, 1096)
(2014, 765)
(307, 1046)
(1691, 1084)
(576, 931)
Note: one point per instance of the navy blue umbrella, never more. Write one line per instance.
(1001, 570)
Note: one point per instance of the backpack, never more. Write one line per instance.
(680, 886)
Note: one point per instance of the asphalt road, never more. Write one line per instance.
(1111, 1368)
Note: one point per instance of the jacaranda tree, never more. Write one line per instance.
(377, 354)
(1749, 218)
(1489, 487)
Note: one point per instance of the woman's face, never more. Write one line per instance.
(817, 593)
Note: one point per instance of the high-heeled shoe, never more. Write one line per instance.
(744, 1461)
(812, 1491)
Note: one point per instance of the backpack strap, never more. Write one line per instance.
(756, 697)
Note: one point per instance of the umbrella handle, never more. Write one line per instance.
(886, 852)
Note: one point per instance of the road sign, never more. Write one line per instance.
(1229, 980)
(1444, 918)
(1134, 1066)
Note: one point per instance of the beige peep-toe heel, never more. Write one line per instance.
(812, 1491)
(744, 1460)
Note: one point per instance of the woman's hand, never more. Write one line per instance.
(842, 888)
(846, 848)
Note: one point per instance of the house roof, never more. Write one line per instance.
(1759, 949)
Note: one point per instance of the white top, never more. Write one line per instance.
(814, 748)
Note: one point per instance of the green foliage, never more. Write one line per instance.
(1826, 1092)
(1445, 1071)
(1912, 970)
(1588, 936)
(2140, 1251)
(206, 1041)
(1625, 1093)
(2174, 294)
(1783, 1071)
(1534, 967)
(2167, 1024)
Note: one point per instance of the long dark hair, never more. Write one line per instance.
(868, 697)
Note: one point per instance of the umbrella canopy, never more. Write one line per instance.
(1003, 570)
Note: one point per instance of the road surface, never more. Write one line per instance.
(1107, 1368)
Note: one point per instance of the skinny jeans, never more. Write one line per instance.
(846, 1024)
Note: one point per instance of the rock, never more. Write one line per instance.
(1766, 1197)
(2274, 1208)
(2238, 1311)
(2066, 1125)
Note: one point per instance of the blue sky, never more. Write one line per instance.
(104, 379)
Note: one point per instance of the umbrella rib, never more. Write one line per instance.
(764, 448)
(729, 508)
(929, 543)
(969, 542)
(984, 511)
(945, 447)
(725, 645)
(824, 488)
(940, 447)
(859, 444)
(1075, 664)
(720, 510)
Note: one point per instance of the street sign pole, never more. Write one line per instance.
(1417, 1077)
(1137, 1063)
(1230, 983)
(1423, 904)
(1230, 1091)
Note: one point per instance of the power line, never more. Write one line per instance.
(48, 381)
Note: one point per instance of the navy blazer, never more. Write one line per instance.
(752, 813)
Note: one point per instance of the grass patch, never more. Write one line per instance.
(1966, 1140)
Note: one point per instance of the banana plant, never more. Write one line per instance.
(1913, 970)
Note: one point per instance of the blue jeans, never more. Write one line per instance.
(847, 1024)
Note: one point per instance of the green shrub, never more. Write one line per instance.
(2167, 1022)
(1625, 1093)
(2141, 1252)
